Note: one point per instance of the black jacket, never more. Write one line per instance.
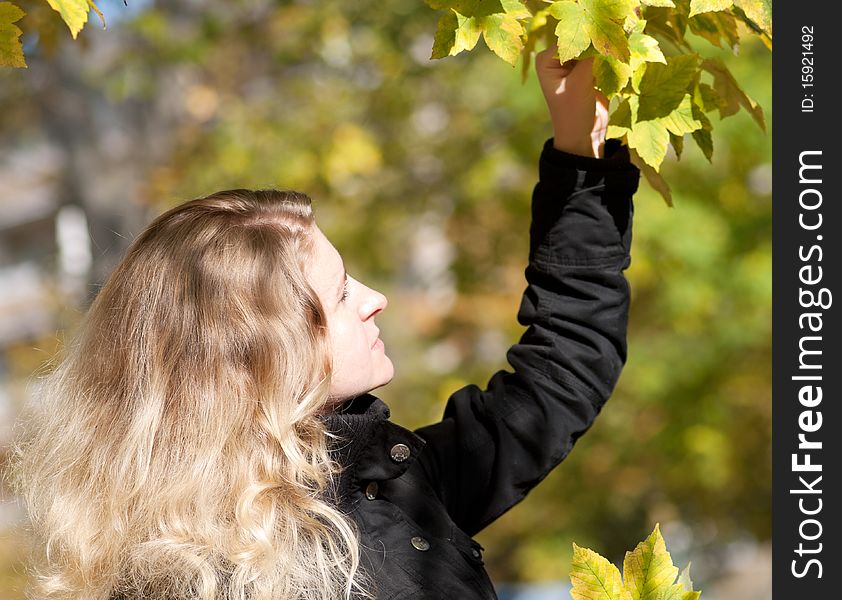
(419, 497)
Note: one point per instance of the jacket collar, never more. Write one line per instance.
(361, 438)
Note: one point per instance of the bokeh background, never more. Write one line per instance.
(421, 172)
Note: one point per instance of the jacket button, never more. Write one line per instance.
(400, 452)
(475, 552)
(420, 544)
(371, 490)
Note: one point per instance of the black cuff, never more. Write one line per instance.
(616, 170)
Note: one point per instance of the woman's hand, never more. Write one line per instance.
(578, 111)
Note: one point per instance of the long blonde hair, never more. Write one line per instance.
(178, 451)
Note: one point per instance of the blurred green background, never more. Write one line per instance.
(421, 173)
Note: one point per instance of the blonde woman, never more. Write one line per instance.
(210, 433)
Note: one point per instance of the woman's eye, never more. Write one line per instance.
(345, 291)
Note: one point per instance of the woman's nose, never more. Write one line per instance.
(375, 302)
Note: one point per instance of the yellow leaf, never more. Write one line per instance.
(11, 50)
(503, 34)
(594, 578)
(74, 13)
(648, 570)
(703, 6)
(760, 12)
(681, 121)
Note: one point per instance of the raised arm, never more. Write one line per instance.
(494, 444)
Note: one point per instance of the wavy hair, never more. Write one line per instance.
(177, 450)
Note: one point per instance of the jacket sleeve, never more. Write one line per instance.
(493, 445)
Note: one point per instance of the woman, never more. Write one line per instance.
(210, 433)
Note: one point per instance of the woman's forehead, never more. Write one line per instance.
(326, 266)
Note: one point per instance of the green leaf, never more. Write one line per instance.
(703, 137)
(681, 121)
(703, 6)
(659, 21)
(677, 143)
(602, 24)
(715, 27)
(679, 17)
(74, 13)
(445, 38)
(457, 32)
(622, 116)
(516, 9)
(644, 48)
(572, 35)
(673, 592)
(537, 25)
(633, 23)
(759, 11)
(731, 92)
(637, 76)
(648, 570)
(662, 87)
(668, 3)
(467, 33)
(503, 35)
(594, 578)
(610, 74)
(706, 98)
(691, 595)
(649, 138)
(607, 35)
(619, 122)
(11, 50)
(616, 9)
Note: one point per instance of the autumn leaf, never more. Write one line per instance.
(11, 50)
(663, 86)
(644, 48)
(503, 36)
(465, 21)
(73, 12)
(610, 74)
(759, 11)
(597, 21)
(731, 92)
(681, 120)
(648, 571)
(716, 27)
(650, 139)
(573, 39)
(594, 578)
(703, 6)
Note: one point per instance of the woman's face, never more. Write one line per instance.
(360, 363)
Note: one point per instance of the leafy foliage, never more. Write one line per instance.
(651, 85)
(644, 60)
(73, 12)
(648, 574)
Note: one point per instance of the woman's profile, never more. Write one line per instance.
(209, 432)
